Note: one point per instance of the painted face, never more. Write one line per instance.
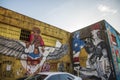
(36, 51)
(35, 33)
(94, 34)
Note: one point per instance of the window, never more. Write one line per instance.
(69, 77)
(54, 77)
(24, 35)
(41, 77)
(66, 77)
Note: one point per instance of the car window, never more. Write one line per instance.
(37, 77)
(70, 77)
(63, 77)
(32, 78)
(66, 77)
(54, 77)
(41, 77)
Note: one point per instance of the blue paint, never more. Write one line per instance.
(77, 42)
(34, 56)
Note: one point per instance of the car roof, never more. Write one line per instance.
(52, 73)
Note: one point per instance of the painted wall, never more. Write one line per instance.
(95, 48)
(20, 54)
(90, 49)
(114, 41)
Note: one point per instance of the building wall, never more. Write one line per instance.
(18, 27)
(95, 48)
(91, 51)
(114, 41)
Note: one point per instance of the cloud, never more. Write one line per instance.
(106, 9)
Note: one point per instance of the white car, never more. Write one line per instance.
(53, 76)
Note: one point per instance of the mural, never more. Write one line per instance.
(61, 67)
(33, 54)
(96, 48)
(45, 67)
(114, 41)
(97, 62)
(77, 45)
(11, 47)
(8, 71)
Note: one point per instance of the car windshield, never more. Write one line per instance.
(37, 77)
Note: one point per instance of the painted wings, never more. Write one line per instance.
(16, 49)
(11, 47)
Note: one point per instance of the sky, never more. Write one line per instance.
(69, 15)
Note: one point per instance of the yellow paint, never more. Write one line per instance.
(9, 31)
(83, 57)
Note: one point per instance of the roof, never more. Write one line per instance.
(52, 73)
